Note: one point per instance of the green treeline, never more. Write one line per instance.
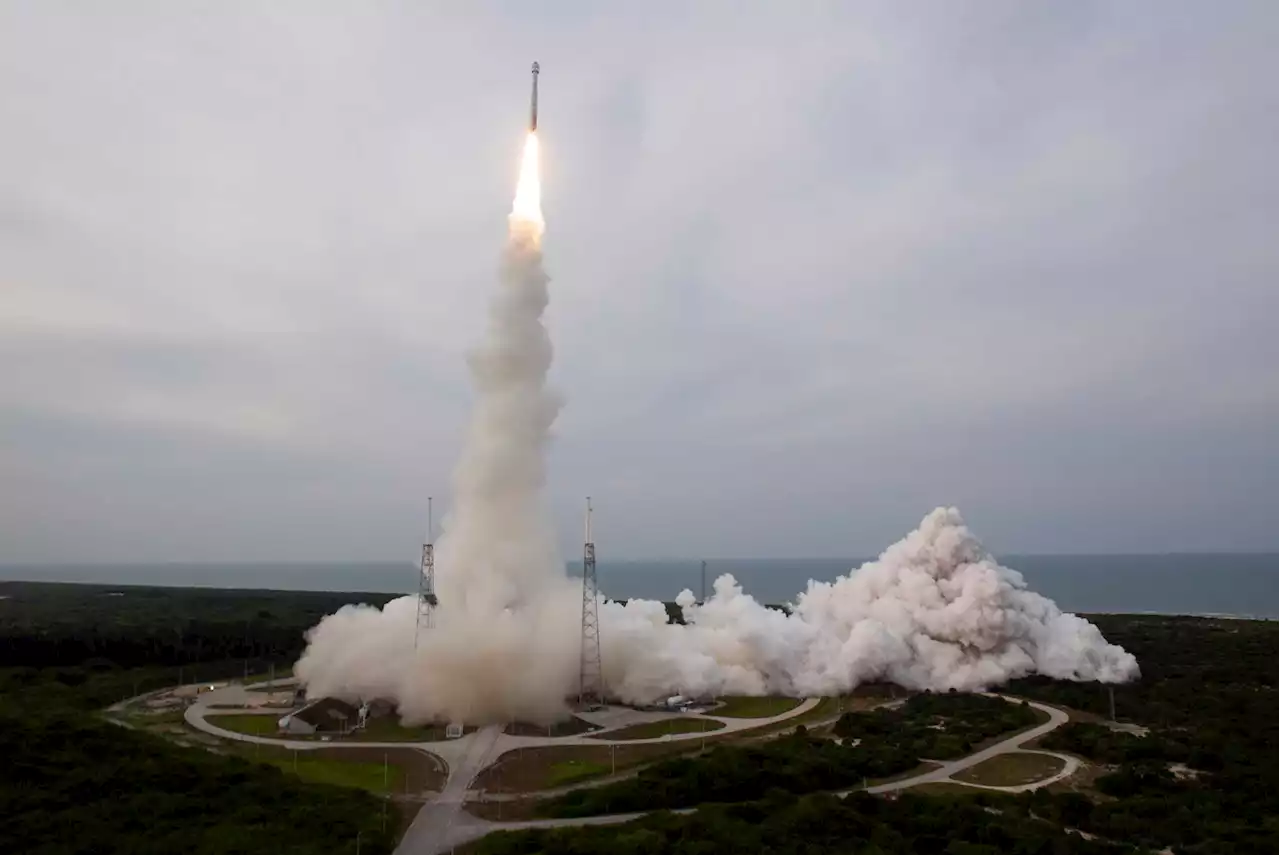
(1201, 781)
(927, 726)
(1203, 778)
(48, 624)
(71, 782)
(819, 824)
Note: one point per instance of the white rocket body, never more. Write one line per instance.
(533, 101)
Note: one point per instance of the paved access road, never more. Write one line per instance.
(1057, 718)
(442, 823)
(453, 751)
(438, 832)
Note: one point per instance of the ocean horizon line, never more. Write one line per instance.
(347, 562)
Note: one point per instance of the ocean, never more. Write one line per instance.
(1236, 584)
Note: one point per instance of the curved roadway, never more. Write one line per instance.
(437, 829)
(442, 824)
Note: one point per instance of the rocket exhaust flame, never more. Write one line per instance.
(526, 209)
(935, 611)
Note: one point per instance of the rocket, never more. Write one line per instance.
(533, 101)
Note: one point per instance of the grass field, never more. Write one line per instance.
(655, 729)
(942, 788)
(532, 769)
(406, 770)
(528, 770)
(364, 776)
(1012, 769)
(389, 729)
(511, 811)
(764, 707)
(571, 726)
(254, 725)
(567, 772)
(826, 710)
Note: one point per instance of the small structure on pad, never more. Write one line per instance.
(327, 715)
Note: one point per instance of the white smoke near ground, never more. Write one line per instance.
(935, 611)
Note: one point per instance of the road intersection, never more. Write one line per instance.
(442, 823)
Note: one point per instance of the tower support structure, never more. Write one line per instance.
(590, 676)
(426, 584)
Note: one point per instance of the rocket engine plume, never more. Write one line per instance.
(935, 611)
(526, 209)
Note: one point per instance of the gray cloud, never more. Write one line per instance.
(815, 271)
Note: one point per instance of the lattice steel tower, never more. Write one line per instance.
(426, 584)
(590, 679)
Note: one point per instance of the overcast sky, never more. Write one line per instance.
(816, 269)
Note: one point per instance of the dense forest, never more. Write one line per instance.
(70, 782)
(50, 624)
(937, 726)
(819, 824)
(1201, 779)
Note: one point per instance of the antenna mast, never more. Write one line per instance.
(590, 679)
(426, 583)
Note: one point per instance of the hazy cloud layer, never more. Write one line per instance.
(816, 269)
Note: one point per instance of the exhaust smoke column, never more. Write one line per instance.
(935, 611)
(502, 650)
(497, 551)
(504, 645)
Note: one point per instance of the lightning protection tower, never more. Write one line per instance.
(426, 584)
(590, 679)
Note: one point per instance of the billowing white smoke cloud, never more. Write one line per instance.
(935, 611)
